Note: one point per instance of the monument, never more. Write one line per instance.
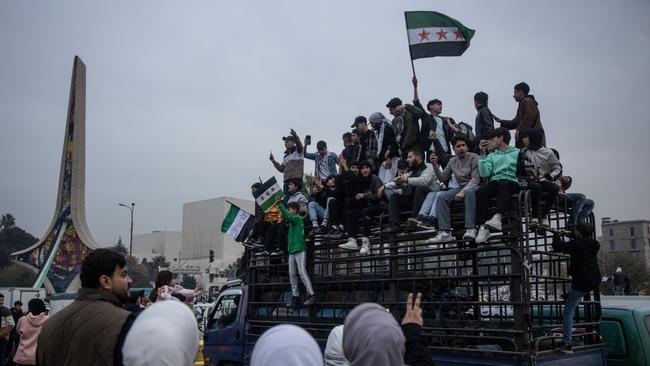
(58, 256)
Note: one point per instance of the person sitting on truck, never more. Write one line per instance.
(320, 204)
(500, 167)
(347, 186)
(582, 206)
(297, 253)
(415, 184)
(286, 345)
(464, 166)
(91, 330)
(584, 271)
(539, 168)
(28, 329)
(365, 204)
(295, 195)
(257, 235)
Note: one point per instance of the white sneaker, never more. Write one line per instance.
(470, 234)
(442, 237)
(483, 235)
(365, 246)
(494, 223)
(350, 245)
(544, 222)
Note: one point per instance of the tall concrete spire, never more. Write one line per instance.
(58, 256)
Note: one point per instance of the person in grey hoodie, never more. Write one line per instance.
(464, 166)
(539, 168)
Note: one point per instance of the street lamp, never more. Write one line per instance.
(131, 239)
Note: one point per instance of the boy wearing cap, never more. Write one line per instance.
(324, 160)
(292, 165)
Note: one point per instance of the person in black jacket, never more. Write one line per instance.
(416, 353)
(584, 271)
(484, 122)
(256, 236)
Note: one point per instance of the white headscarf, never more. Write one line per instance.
(334, 349)
(164, 334)
(286, 345)
(379, 118)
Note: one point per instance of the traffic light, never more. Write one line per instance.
(211, 255)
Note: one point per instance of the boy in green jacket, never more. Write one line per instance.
(297, 253)
(500, 167)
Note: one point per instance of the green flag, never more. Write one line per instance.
(237, 223)
(434, 34)
(267, 194)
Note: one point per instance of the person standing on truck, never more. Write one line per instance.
(297, 253)
(293, 162)
(91, 330)
(6, 326)
(527, 114)
(584, 271)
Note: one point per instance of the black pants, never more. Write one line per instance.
(366, 214)
(398, 202)
(334, 210)
(418, 199)
(536, 190)
(276, 236)
(260, 229)
(502, 190)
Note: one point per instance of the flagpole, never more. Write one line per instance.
(409, 44)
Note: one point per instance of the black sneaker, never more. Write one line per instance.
(310, 300)
(295, 301)
(319, 230)
(565, 348)
(336, 233)
(390, 228)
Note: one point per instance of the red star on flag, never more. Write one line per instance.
(458, 34)
(424, 35)
(442, 34)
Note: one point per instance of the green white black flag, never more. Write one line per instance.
(267, 193)
(237, 223)
(434, 34)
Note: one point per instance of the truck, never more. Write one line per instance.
(625, 328)
(22, 294)
(499, 303)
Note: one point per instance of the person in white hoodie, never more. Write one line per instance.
(28, 328)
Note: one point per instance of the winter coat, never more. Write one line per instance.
(28, 327)
(430, 124)
(583, 268)
(527, 117)
(369, 187)
(483, 124)
(410, 133)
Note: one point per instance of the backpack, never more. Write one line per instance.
(466, 131)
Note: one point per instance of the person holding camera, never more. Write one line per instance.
(584, 271)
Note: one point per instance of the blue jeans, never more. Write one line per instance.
(570, 305)
(428, 208)
(443, 208)
(582, 207)
(316, 211)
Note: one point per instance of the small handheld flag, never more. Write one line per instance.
(267, 194)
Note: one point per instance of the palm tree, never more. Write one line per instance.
(7, 220)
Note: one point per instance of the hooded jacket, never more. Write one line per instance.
(583, 268)
(536, 162)
(499, 165)
(28, 327)
(527, 117)
(296, 233)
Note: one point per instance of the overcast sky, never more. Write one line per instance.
(185, 99)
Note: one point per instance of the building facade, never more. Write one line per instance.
(629, 236)
(157, 243)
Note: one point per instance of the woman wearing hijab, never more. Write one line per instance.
(28, 328)
(286, 345)
(334, 349)
(165, 334)
(372, 336)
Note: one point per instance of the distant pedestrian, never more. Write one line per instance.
(166, 288)
(6, 325)
(28, 329)
(620, 278)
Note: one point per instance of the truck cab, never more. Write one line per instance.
(625, 328)
(226, 327)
